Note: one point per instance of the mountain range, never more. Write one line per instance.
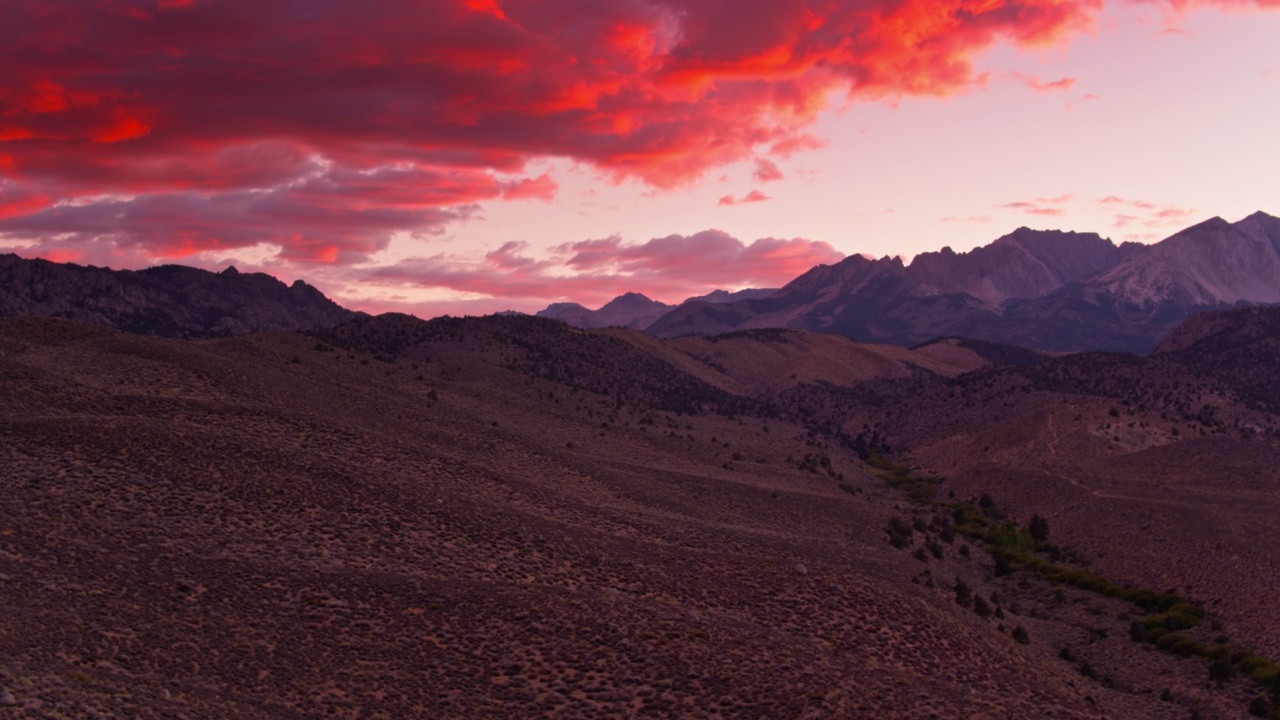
(167, 300)
(636, 311)
(1050, 290)
(1045, 290)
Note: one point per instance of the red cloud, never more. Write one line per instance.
(326, 216)
(17, 202)
(752, 197)
(542, 187)
(183, 118)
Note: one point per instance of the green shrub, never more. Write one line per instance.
(1260, 670)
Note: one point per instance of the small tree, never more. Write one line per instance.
(1038, 528)
(964, 595)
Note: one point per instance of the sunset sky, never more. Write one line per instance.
(467, 156)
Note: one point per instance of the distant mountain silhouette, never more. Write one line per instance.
(168, 300)
(631, 310)
(636, 311)
(1043, 289)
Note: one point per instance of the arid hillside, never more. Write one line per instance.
(762, 363)
(1161, 471)
(500, 517)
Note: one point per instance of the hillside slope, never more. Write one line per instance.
(1161, 470)
(490, 520)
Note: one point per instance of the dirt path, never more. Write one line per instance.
(1053, 444)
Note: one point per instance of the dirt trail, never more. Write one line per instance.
(1053, 444)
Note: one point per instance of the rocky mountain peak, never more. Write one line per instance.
(1023, 264)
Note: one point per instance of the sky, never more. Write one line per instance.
(470, 156)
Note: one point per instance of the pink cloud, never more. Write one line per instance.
(767, 171)
(1043, 86)
(981, 219)
(1039, 206)
(754, 196)
(1113, 200)
(1147, 213)
(594, 271)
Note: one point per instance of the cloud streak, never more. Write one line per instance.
(754, 196)
(1129, 212)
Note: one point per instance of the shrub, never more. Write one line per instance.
(1259, 707)
(900, 533)
(981, 607)
(1221, 671)
(1020, 635)
(1260, 670)
(964, 595)
(947, 535)
(1003, 566)
(1038, 528)
(934, 548)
